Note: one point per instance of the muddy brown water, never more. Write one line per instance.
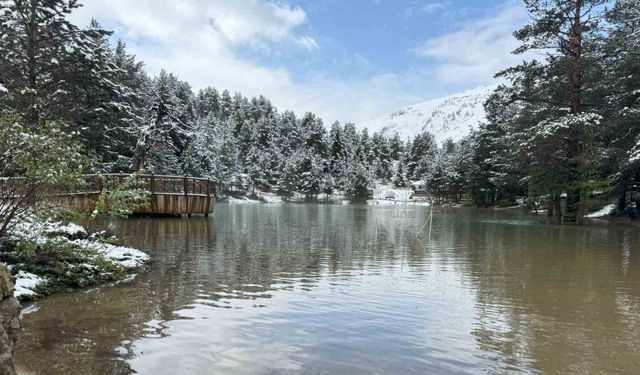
(353, 289)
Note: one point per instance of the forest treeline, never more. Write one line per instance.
(564, 123)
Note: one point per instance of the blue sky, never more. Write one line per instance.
(348, 60)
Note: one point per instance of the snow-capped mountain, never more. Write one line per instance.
(452, 116)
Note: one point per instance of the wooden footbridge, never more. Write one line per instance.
(168, 195)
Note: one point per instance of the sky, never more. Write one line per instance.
(346, 60)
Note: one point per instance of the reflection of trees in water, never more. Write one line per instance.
(241, 253)
(551, 296)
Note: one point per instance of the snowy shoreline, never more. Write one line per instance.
(382, 195)
(47, 256)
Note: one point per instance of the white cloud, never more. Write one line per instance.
(435, 6)
(199, 41)
(220, 43)
(476, 51)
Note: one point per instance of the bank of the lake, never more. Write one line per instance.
(299, 288)
(47, 256)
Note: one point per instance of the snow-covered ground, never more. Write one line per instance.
(383, 194)
(26, 283)
(242, 200)
(31, 229)
(296, 197)
(73, 236)
(389, 195)
(270, 197)
(604, 211)
(453, 116)
(127, 257)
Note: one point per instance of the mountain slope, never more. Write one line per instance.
(452, 116)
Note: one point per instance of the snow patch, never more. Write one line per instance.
(389, 195)
(242, 200)
(270, 198)
(604, 211)
(42, 232)
(26, 284)
(127, 257)
(71, 230)
(31, 229)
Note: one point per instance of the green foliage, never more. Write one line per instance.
(121, 199)
(39, 160)
(64, 265)
(359, 184)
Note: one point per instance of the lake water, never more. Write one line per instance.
(352, 289)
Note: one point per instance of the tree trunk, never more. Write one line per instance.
(139, 153)
(575, 79)
(622, 197)
(142, 147)
(556, 218)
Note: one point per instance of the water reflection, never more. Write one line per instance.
(351, 289)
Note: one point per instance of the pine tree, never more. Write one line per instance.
(420, 155)
(167, 121)
(337, 153)
(564, 88)
(208, 103)
(396, 148)
(622, 86)
(400, 177)
(289, 180)
(201, 156)
(229, 172)
(44, 59)
(382, 157)
(312, 175)
(359, 181)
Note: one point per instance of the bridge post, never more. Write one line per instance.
(206, 214)
(185, 183)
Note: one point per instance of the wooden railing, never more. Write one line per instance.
(168, 194)
(93, 183)
(155, 184)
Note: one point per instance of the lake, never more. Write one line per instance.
(352, 289)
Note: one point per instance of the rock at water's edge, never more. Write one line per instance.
(9, 322)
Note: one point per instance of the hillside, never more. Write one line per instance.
(452, 116)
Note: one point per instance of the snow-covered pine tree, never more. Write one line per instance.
(167, 121)
(41, 53)
(364, 149)
(314, 135)
(564, 88)
(382, 154)
(359, 181)
(124, 110)
(290, 133)
(226, 105)
(201, 156)
(396, 147)
(420, 155)
(289, 180)
(400, 176)
(311, 173)
(337, 152)
(108, 85)
(229, 168)
(208, 103)
(622, 87)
